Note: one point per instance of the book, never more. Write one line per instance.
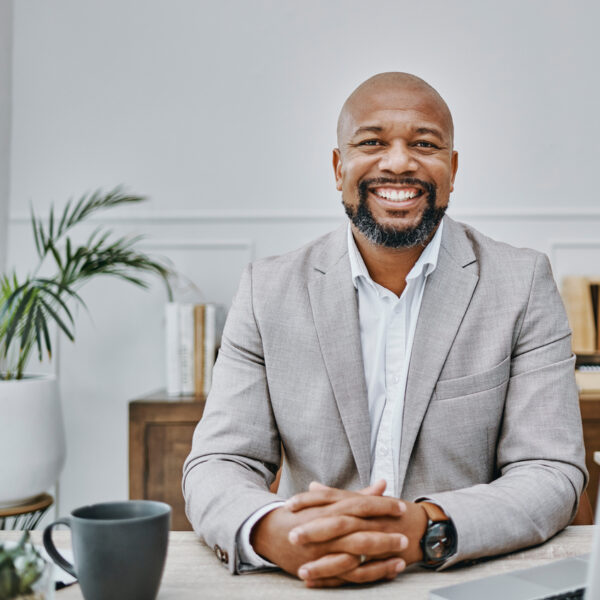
(172, 349)
(210, 344)
(192, 337)
(595, 290)
(186, 348)
(199, 353)
(588, 379)
(577, 296)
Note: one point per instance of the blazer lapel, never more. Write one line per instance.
(446, 298)
(335, 311)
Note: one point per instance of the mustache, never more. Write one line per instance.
(365, 184)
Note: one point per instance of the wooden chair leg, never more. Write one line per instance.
(584, 514)
(275, 485)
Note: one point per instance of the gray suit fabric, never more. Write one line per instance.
(491, 429)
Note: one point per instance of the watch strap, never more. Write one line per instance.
(434, 512)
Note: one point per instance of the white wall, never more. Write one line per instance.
(224, 114)
(6, 26)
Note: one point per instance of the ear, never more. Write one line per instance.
(337, 168)
(454, 160)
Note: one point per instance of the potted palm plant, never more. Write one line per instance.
(31, 428)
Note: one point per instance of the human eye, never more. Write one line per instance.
(426, 144)
(370, 142)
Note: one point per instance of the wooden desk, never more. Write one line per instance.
(192, 571)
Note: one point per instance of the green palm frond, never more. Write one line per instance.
(27, 309)
(73, 214)
(25, 315)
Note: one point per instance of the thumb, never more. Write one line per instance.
(315, 485)
(375, 489)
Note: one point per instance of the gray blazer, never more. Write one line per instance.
(491, 428)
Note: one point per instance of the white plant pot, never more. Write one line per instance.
(32, 438)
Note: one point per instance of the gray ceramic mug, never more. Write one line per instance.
(119, 548)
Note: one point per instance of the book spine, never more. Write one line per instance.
(199, 362)
(186, 348)
(577, 297)
(172, 349)
(209, 345)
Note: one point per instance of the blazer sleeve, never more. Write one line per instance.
(540, 453)
(236, 447)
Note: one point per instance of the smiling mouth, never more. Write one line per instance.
(395, 194)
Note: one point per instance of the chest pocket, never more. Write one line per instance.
(473, 384)
(464, 419)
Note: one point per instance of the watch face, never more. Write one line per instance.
(438, 543)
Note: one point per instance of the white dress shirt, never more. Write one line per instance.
(387, 328)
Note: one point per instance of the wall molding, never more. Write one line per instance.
(193, 244)
(185, 216)
(200, 215)
(556, 245)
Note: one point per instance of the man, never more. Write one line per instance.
(414, 376)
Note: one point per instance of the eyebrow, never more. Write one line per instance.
(369, 129)
(419, 131)
(430, 130)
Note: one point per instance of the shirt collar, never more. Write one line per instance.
(425, 265)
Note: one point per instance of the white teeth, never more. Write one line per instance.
(390, 194)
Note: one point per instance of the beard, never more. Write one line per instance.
(386, 235)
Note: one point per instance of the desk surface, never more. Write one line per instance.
(192, 571)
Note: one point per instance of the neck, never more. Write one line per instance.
(388, 266)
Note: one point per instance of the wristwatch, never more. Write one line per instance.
(439, 541)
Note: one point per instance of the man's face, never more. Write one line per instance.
(395, 165)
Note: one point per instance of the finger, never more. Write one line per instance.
(323, 529)
(359, 505)
(315, 485)
(327, 566)
(374, 570)
(376, 489)
(371, 543)
(345, 502)
(327, 528)
(370, 571)
(316, 497)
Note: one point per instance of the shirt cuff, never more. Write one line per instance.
(248, 559)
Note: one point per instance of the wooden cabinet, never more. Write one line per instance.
(590, 415)
(160, 438)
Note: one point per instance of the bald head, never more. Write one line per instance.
(385, 89)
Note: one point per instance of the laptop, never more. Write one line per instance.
(571, 578)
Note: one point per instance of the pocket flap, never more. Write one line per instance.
(472, 384)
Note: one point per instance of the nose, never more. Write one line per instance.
(398, 159)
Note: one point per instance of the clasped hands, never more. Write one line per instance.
(329, 537)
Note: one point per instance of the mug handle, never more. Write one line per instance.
(55, 555)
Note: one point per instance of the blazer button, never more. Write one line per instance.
(218, 552)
